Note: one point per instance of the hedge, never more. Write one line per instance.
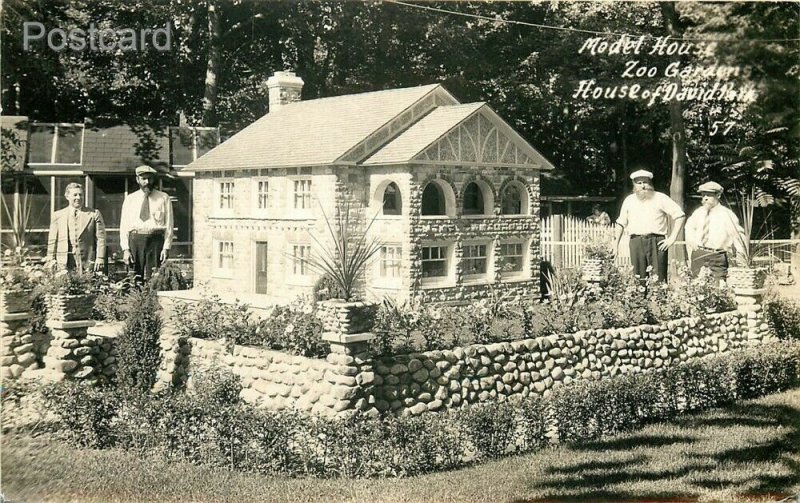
(213, 427)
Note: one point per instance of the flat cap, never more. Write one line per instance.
(713, 187)
(642, 173)
(145, 169)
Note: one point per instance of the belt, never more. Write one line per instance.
(647, 235)
(148, 232)
(716, 250)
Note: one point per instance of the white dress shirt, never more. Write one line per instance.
(649, 216)
(724, 230)
(160, 216)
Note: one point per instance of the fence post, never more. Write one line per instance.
(558, 238)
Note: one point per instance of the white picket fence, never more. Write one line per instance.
(564, 238)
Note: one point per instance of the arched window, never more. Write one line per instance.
(473, 200)
(392, 202)
(514, 200)
(433, 202)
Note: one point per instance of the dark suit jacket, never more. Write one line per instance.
(91, 240)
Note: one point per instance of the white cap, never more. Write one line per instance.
(712, 187)
(145, 169)
(642, 173)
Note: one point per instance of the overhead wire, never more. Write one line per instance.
(501, 20)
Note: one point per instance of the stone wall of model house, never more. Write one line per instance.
(236, 212)
(397, 270)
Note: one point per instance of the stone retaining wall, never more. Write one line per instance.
(66, 351)
(21, 349)
(273, 379)
(350, 379)
(415, 383)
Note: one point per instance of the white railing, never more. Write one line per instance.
(564, 238)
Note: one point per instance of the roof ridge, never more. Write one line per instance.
(351, 95)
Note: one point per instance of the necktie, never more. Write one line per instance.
(144, 214)
(75, 229)
(706, 229)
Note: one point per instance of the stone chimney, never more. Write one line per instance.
(284, 88)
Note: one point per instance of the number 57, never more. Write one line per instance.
(715, 127)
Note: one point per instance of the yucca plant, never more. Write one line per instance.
(751, 240)
(344, 262)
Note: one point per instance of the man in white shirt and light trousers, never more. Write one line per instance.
(145, 230)
(646, 215)
(713, 232)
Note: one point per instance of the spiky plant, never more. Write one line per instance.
(750, 241)
(346, 261)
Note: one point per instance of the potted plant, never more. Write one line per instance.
(70, 295)
(343, 265)
(17, 281)
(746, 274)
(598, 255)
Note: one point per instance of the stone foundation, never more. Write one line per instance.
(22, 349)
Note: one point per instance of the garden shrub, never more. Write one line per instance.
(783, 317)
(210, 318)
(534, 421)
(217, 386)
(115, 299)
(168, 277)
(490, 428)
(138, 344)
(86, 412)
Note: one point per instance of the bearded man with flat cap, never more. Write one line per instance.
(145, 229)
(713, 233)
(653, 221)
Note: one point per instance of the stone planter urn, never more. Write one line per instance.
(64, 307)
(746, 278)
(341, 318)
(15, 300)
(592, 270)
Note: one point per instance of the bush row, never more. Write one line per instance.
(213, 427)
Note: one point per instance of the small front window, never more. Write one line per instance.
(434, 261)
(473, 200)
(226, 195)
(390, 262)
(262, 194)
(225, 255)
(511, 257)
(392, 203)
(475, 259)
(300, 256)
(302, 194)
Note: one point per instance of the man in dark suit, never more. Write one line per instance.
(77, 238)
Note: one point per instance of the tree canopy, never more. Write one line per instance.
(527, 60)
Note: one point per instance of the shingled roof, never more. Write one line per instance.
(311, 132)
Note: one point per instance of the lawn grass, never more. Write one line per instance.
(746, 452)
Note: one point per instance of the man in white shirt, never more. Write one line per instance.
(646, 216)
(713, 233)
(145, 229)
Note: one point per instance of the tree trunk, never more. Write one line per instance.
(212, 68)
(677, 131)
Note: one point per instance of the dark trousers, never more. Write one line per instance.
(717, 261)
(645, 253)
(146, 252)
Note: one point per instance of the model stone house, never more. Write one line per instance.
(455, 190)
